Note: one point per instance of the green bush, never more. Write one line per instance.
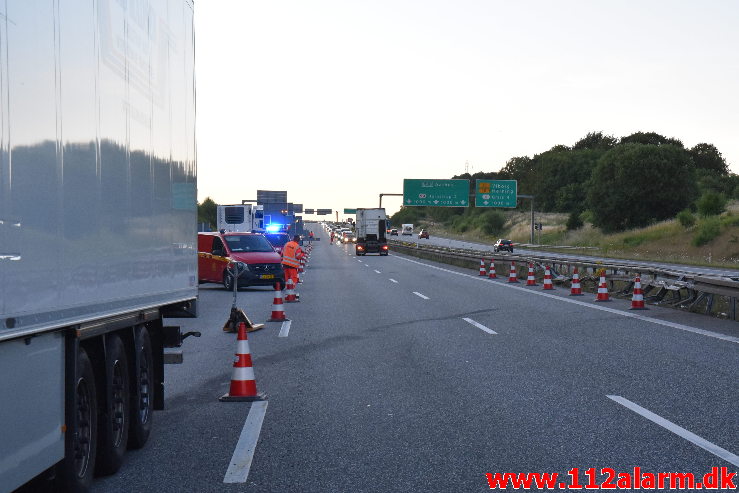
(586, 216)
(686, 218)
(633, 240)
(708, 229)
(711, 204)
(574, 221)
(491, 222)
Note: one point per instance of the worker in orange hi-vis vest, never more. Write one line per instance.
(291, 255)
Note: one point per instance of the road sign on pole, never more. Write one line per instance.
(350, 211)
(436, 193)
(496, 193)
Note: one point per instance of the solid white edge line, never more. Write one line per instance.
(420, 295)
(678, 430)
(285, 329)
(479, 326)
(393, 280)
(238, 468)
(644, 318)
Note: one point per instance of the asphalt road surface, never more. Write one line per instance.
(402, 375)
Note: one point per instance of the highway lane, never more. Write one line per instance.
(379, 389)
(452, 243)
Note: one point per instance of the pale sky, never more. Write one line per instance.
(337, 101)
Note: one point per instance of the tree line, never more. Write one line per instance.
(616, 183)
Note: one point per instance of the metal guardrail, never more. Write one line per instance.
(675, 287)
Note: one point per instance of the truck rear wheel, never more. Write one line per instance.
(114, 420)
(78, 467)
(142, 398)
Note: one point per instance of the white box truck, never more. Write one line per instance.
(370, 231)
(406, 230)
(97, 228)
(241, 218)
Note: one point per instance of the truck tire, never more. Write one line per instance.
(142, 390)
(114, 419)
(78, 467)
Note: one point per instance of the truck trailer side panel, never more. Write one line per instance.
(97, 194)
(32, 410)
(97, 169)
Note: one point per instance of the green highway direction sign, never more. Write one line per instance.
(350, 211)
(436, 193)
(496, 193)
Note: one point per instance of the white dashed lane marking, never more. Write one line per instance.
(479, 326)
(678, 430)
(420, 295)
(238, 468)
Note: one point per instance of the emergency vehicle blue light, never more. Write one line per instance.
(273, 228)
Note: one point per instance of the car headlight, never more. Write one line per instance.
(241, 266)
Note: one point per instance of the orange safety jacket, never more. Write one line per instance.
(291, 254)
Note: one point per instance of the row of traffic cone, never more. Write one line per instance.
(243, 382)
(637, 302)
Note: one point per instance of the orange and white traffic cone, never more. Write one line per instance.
(548, 278)
(300, 277)
(278, 311)
(637, 300)
(602, 288)
(243, 384)
(512, 276)
(290, 296)
(491, 273)
(575, 290)
(482, 268)
(301, 265)
(531, 280)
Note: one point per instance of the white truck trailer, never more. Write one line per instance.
(406, 229)
(370, 229)
(97, 228)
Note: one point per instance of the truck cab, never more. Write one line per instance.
(217, 250)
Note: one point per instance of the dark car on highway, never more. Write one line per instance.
(505, 245)
(423, 234)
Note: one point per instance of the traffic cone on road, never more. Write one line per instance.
(602, 288)
(278, 312)
(290, 296)
(575, 290)
(243, 384)
(637, 300)
(512, 276)
(301, 265)
(491, 273)
(531, 280)
(548, 278)
(482, 268)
